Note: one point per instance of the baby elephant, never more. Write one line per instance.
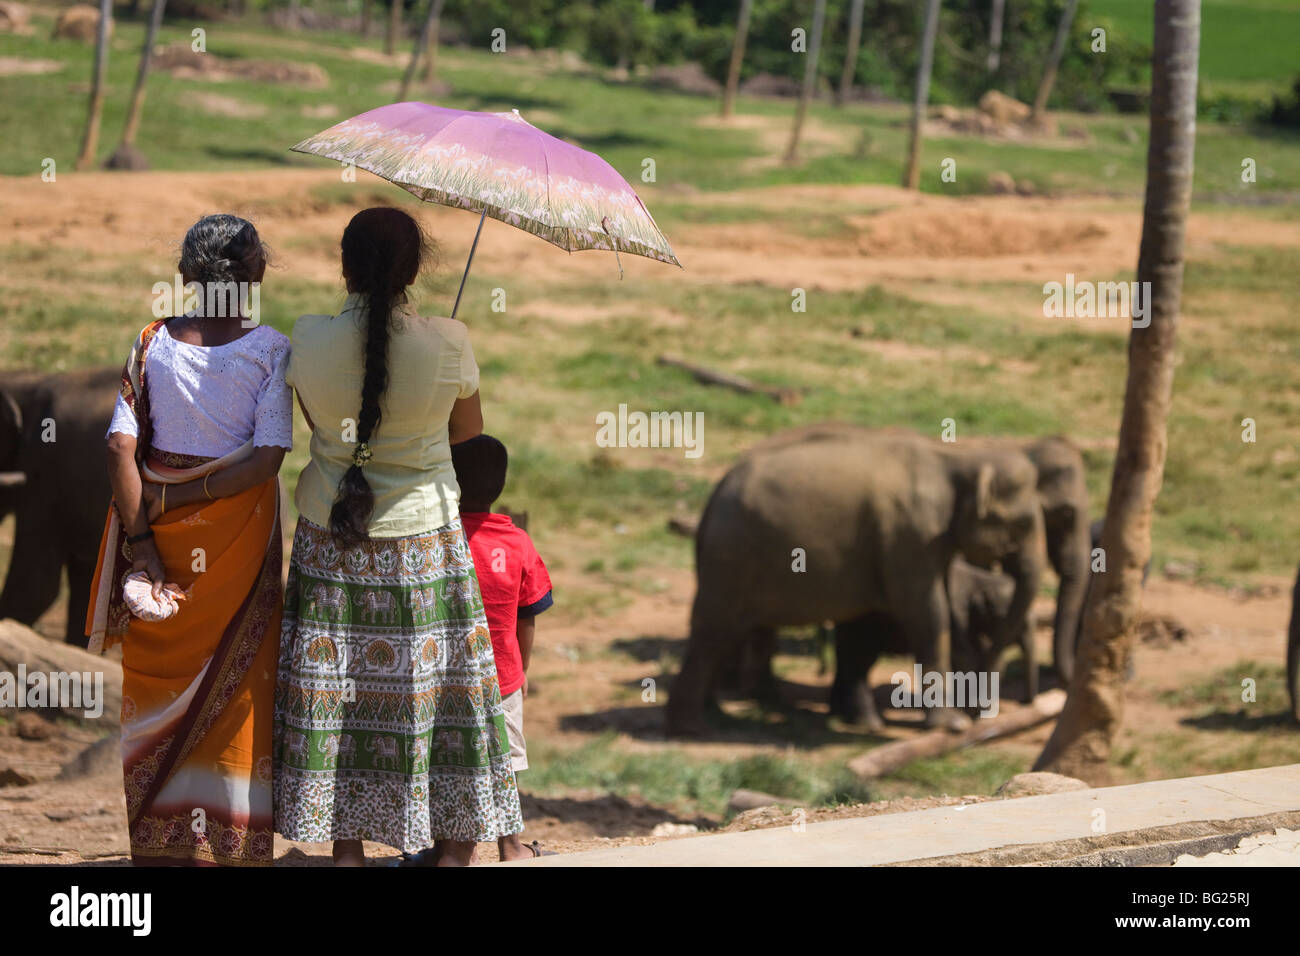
(978, 601)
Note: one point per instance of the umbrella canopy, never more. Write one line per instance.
(502, 166)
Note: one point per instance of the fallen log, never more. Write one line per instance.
(889, 757)
(708, 376)
(24, 652)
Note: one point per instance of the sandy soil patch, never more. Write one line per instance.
(27, 66)
(219, 105)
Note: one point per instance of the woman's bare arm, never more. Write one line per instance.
(124, 476)
(466, 420)
(261, 465)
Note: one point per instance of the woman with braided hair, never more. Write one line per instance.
(388, 720)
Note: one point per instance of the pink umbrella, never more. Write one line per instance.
(502, 165)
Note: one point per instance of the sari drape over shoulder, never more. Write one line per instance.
(198, 687)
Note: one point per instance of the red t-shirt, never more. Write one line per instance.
(514, 583)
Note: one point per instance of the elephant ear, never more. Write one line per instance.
(984, 489)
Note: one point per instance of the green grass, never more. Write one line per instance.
(626, 122)
(1248, 47)
(1224, 693)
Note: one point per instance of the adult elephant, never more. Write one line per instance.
(1063, 496)
(845, 522)
(53, 479)
(979, 603)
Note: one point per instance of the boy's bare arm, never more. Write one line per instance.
(525, 630)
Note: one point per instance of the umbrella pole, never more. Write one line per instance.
(470, 261)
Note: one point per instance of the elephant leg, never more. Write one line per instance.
(855, 652)
(713, 639)
(80, 575)
(926, 628)
(35, 571)
(756, 674)
(1031, 662)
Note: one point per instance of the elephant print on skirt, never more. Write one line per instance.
(388, 723)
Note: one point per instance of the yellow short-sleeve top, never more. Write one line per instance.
(430, 365)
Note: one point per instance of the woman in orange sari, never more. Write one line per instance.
(201, 427)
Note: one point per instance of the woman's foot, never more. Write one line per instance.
(511, 848)
(456, 852)
(349, 853)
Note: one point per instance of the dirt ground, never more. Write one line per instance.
(929, 247)
(1190, 632)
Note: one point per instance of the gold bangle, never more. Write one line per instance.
(164, 502)
(205, 486)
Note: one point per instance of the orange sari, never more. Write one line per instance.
(198, 688)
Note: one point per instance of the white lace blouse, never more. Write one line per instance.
(209, 400)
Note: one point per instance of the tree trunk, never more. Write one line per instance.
(1080, 746)
(1054, 58)
(292, 19)
(737, 57)
(809, 80)
(142, 75)
(912, 171)
(394, 27)
(431, 46)
(421, 44)
(95, 109)
(995, 35)
(850, 53)
(365, 18)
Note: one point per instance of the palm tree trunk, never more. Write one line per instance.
(809, 80)
(737, 57)
(95, 109)
(394, 26)
(421, 43)
(142, 75)
(1081, 743)
(851, 52)
(912, 171)
(995, 34)
(1054, 58)
(431, 45)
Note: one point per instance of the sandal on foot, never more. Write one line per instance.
(426, 857)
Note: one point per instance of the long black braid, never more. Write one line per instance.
(383, 250)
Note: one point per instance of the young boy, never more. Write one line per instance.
(515, 588)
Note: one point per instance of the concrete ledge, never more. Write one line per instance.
(1059, 828)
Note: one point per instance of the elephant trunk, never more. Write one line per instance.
(1070, 556)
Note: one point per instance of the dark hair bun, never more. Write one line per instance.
(222, 248)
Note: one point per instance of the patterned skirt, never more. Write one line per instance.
(388, 720)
